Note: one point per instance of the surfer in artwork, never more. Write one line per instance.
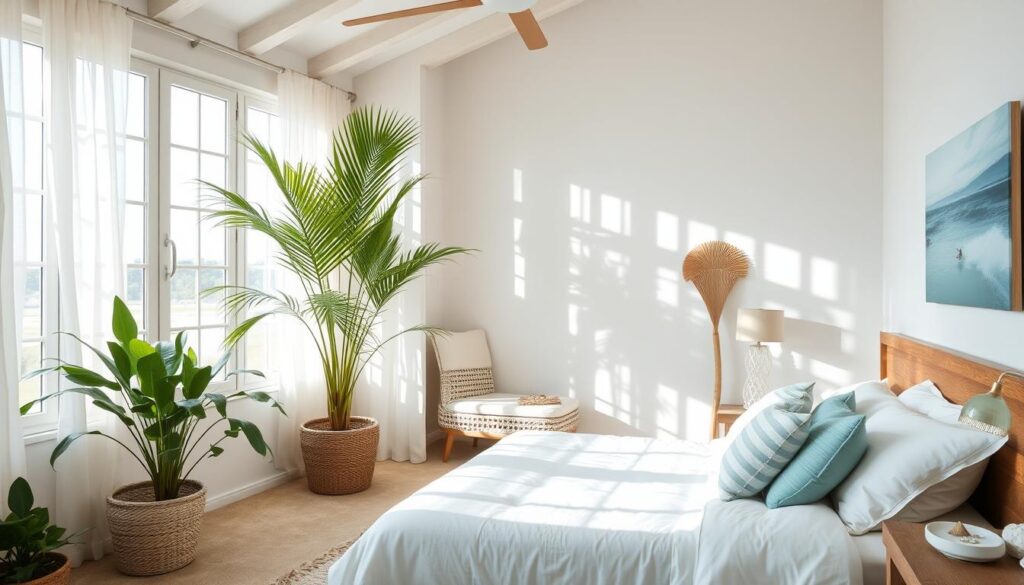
(959, 254)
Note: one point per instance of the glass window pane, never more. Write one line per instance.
(32, 317)
(134, 233)
(210, 349)
(33, 155)
(211, 303)
(212, 169)
(258, 124)
(184, 172)
(214, 243)
(32, 57)
(185, 233)
(34, 228)
(255, 340)
(184, 117)
(184, 304)
(214, 128)
(136, 123)
(135, 170)
(31, 354)
(135, 294)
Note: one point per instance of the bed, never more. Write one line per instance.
(543, 507)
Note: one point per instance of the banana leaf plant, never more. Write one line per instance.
(338, 220)
(26, 536)
(159, 393)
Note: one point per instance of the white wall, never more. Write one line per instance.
(947, 64)
(667, 123)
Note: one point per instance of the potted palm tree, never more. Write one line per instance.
(28, 542)
(337, 220)
(159, 393)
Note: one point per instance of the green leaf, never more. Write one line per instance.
(116, 409)
(122, 361)
(260, 396)
(194, 406)
(79, 375)
(219, 401)
(151, 373)
(66, 442)
(252, 433)
(223, 361)
(215, 451)
(94, 393)
(19, 498)
(125, 328)
(138, 349)
(199, 382)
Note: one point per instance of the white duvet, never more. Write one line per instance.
(557, 508)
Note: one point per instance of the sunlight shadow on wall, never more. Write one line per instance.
(518, 259)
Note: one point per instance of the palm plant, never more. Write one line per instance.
(336, 225)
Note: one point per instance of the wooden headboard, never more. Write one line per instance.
(907, 361)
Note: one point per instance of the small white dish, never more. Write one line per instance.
(990, 546)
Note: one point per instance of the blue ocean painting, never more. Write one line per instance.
(967, 216)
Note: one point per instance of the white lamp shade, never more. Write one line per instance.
(759, 325)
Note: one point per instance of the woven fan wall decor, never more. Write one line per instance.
(714, 268)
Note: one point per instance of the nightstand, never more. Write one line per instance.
(727, 414)
(910, 560)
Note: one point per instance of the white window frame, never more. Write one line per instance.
(159, 78)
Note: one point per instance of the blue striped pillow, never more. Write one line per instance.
(760, 452)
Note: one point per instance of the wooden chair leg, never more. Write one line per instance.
(476, 440)
(449, 442)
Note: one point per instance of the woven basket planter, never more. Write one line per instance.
(61, 576)
(149, 537)
(339, 462)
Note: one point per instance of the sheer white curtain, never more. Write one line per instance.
(87, 47)
(310, 112)
(12, 147)
(393, 390)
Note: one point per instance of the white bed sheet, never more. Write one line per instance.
(557, 508)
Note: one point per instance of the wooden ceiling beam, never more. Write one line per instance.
(289, 22)
(172, 10)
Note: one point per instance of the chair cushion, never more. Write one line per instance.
(497, 404)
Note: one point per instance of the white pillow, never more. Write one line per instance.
(947, 495)
(907, 453)
(926, 399)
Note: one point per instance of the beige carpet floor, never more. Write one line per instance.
(257, 540)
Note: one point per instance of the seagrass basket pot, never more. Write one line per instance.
(339, 462)
(150, 537)
(62, 576)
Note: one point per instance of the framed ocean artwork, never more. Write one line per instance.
(973, 216)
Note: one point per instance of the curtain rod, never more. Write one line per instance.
(196, 40)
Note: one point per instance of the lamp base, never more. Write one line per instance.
(759, 367)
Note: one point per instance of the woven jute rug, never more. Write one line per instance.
(314, 572)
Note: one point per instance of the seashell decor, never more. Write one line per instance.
(1013, 535)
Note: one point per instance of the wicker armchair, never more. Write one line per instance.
(470, 406)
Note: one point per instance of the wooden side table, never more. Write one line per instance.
(726, 416)
(910, 560)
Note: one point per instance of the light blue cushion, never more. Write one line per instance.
(760, 452)
(795, 397)
(835, 444)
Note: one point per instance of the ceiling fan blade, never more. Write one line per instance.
(443, 6)
(529, 29)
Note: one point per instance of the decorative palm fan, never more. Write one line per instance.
(714, 268)
(517, 10)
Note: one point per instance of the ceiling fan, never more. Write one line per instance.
(517, 10)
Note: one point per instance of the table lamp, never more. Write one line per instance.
(759, 326)
(988, 411)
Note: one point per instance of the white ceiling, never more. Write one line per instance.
(292, 32)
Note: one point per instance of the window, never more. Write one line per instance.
(260, 272)
(26, 123)
(180, 131)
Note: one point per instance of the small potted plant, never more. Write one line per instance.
(28, 543)
(339, 220)
(159, 394)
